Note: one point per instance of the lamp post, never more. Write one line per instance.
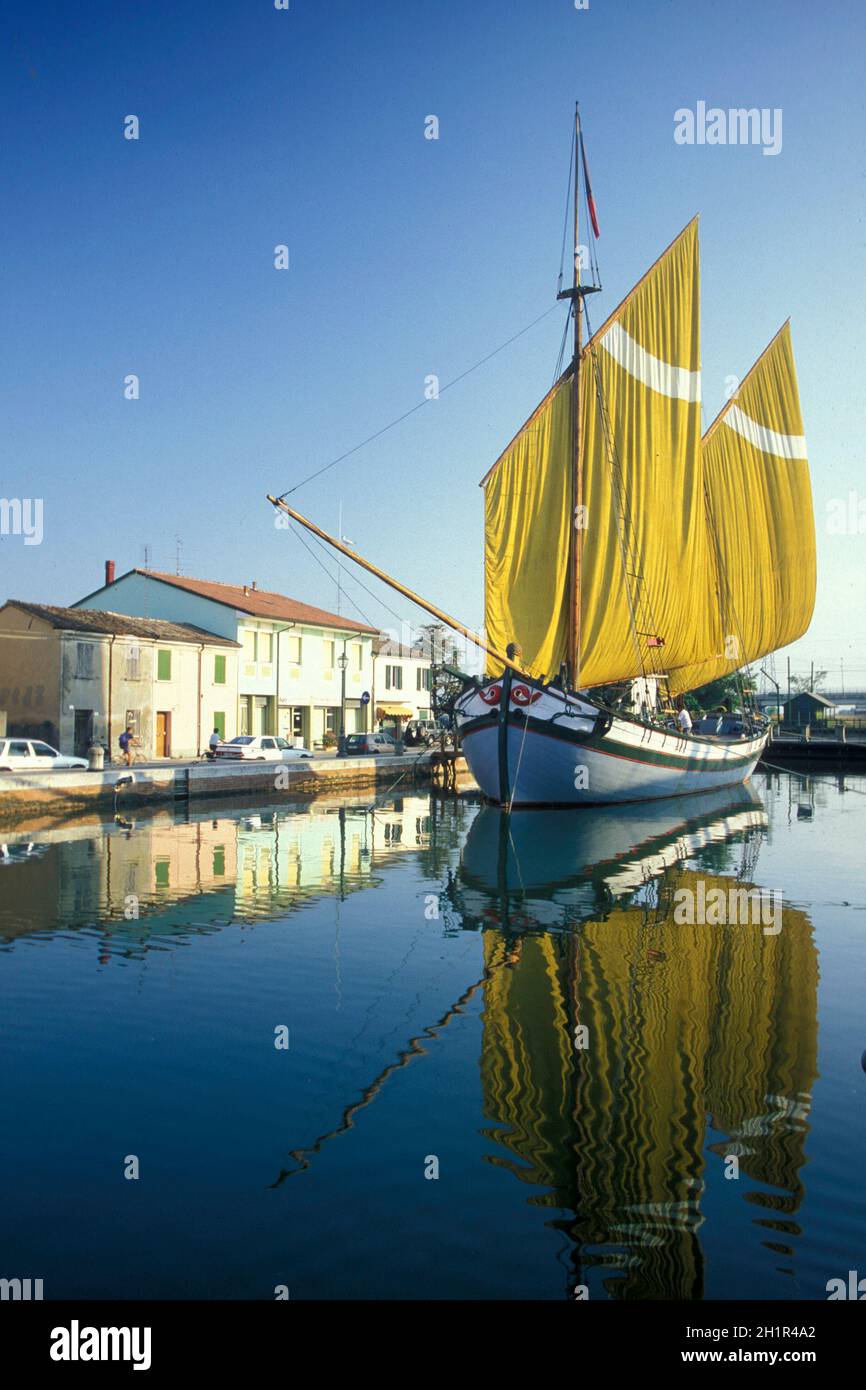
(342, 662)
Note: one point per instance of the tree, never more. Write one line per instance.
(436, 642)
(803, 685)
(724, 691)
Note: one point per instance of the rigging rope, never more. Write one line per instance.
(405, 416)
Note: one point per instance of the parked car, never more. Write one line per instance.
(260, 748)
(424, 730)
(30, 755)
(369, 743)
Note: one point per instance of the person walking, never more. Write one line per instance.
(213, 743)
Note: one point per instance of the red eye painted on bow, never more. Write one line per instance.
(492, 695)
(522, 695)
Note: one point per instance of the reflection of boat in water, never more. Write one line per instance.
(627, 1060)
(561, 865)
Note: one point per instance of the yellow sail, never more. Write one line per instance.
(527, 502)
(759, 510)
(639, 516)
(644, 552)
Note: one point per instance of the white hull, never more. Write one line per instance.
(562, 750)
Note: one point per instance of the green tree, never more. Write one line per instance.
(802, 685)
(436, 641)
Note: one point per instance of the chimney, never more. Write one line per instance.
(109, 572)
(255, 585)
(246, 591)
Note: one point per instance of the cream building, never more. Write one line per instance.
(71, 676)
(402, 681)
(289, 680)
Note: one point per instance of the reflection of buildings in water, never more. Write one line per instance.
(701, 1043)
(197, 874)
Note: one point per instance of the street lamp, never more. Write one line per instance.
(342, 662)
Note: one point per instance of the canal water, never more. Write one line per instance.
(422, 1051)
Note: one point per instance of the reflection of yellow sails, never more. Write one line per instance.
(690, 1030)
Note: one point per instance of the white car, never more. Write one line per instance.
(260, 748)
(29, 755)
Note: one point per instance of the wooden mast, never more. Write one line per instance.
(575, 543)
(437, 613)
(577, 514)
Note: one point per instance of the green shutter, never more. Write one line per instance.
(219, 670)
(219, 723)
(163, 666)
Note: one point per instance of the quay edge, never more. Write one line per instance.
(61, 794)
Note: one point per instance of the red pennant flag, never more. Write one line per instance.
(588, 186)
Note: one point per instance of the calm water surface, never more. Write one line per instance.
(518, 1003)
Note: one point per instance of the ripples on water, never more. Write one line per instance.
(513, 1001)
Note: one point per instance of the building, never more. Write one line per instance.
(75, 676)
(807, 708)
(289, 677)
(402, 681)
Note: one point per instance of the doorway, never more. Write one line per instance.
(163, 733)
(83, 735)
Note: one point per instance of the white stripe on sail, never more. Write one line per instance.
(660, 376)
(785, 446)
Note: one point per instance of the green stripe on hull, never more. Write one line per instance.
(611, 747)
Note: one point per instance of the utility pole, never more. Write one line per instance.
(789, 682)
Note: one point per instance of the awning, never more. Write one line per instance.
(394, 710)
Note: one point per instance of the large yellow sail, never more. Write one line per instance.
(640, 548)
(643, 553)
(527, 503)
(759, 510)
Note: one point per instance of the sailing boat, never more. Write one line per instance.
(629, 561)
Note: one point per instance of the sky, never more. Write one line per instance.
(408, 257)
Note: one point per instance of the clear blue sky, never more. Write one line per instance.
(408, 257)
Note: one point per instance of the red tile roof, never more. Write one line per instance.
(260, 603)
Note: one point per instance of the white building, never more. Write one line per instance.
(289, 677)
(402, 681)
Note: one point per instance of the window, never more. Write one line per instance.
(328, 648)
(423, 678)
(357, 656)
(265, 646)
(133, 663)
(219, 670)
(19, 750)
(245, 721)
(294, 645)
(393, 677)
(282, 743)
(249, 644)
(331, 720)
(163, 665)
(43, 751)
(268, 743)
(84, 660)
(297, 723)
(133, 722)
